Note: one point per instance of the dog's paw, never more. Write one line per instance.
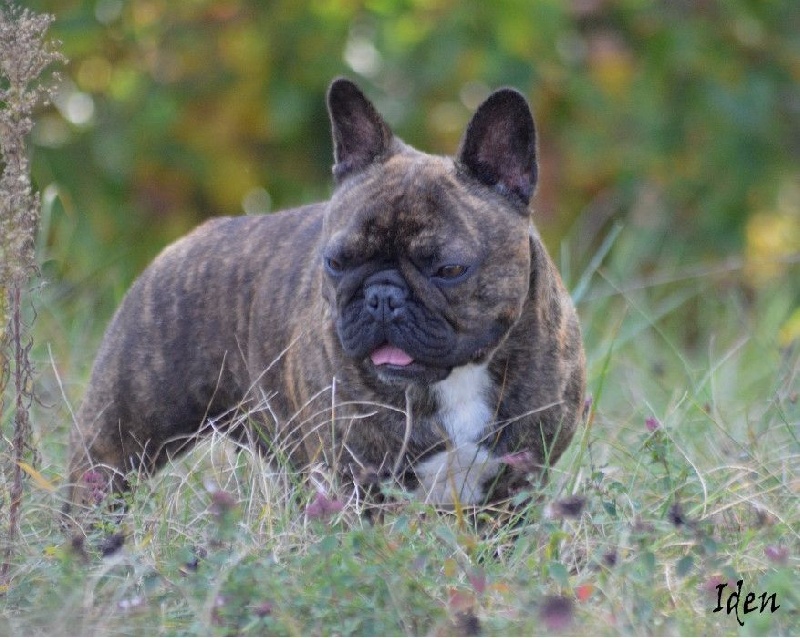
(459, 475)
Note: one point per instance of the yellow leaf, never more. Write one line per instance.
(41, 481)
(773, 238)
(790, 331)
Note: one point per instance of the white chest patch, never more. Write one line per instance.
(458, 474)
(464, 403)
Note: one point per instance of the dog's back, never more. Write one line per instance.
(176, 351)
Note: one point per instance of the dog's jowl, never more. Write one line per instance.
(422, 286)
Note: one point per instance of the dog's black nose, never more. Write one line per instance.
(385, 302)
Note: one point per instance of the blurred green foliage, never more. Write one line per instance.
(680, 117)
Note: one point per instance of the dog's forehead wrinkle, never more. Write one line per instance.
(428, 195)
(407, 210)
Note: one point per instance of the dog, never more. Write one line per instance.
(412, 327)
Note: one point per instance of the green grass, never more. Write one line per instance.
(686, 475)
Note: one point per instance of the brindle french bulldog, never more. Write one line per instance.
(422, 284)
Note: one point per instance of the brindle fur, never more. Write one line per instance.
(237, 318)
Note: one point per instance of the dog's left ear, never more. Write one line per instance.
(499, 145)
(360, 135)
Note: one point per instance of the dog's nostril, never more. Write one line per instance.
(385, 302)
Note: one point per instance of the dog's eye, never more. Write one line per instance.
(334, 265)
(451, 271)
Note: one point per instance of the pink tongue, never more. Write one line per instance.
(391, 355)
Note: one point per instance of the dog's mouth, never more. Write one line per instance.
(394, 365)
(390, 355)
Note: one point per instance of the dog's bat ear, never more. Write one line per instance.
(360, 135)
(499, 145)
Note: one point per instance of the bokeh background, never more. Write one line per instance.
(679, 119)
(669, 139)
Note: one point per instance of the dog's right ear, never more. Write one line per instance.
(360, 135)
